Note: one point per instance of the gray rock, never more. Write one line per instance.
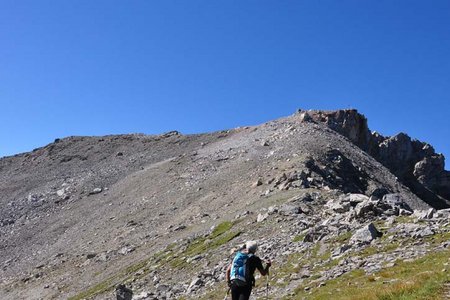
(404, 212)
(272, 209)
(194, 258)
(338, 206)
(408, 229)
(61, 193)
(420, 214)
(443, 213)
(424, 232)
(194, 285)
(162, 288)
(378, 193)
(96, 191)
(125, 250)
(430, 213)
(340, 250)
(262, 217)
(123, 293)
(289, 209)
(257, 183)
(102, 257)
(366, 234)
(6, 222)
(363, 208)
(356, 198)
(142, 296)
(91, 255)
(180, 227)
(425, 214)
(393, 199)
(305, 117)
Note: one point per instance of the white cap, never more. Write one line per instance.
(251, 246)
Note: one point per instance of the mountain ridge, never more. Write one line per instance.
(84, 207)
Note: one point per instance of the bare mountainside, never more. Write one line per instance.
(323, 195)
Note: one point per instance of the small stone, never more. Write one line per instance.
(404, 212)
(142, 295)
(125, 250)
(262, 217)
(180, 227)
(272, 210)
(96, 191)
(257, 183)
(293, 276)
(195, 284)
(430, 213)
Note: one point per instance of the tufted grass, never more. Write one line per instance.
(423, 278)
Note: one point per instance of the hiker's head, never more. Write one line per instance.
(251, 246)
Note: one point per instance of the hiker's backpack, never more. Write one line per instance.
(239, 268)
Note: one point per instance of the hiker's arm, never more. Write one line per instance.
(265, 271)
(227, 274)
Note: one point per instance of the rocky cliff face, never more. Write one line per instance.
(415, 163)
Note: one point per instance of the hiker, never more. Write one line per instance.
(240, 273)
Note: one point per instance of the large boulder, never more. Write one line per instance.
(366, 234)
(338, 205)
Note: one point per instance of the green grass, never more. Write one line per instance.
(99, 288)
(219, 236)
(299, 238)
(342, 238)
(420, 279)
(438, 238)
(423, 278)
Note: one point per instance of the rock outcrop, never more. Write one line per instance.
(415, 163)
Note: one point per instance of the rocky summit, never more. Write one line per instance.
(343, 212)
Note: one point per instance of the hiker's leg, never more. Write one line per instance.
(245, 293)
(235, 292)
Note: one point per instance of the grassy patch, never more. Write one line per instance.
(220, 236)
(404, 219)
(342, 238)
(292, 265)
(299, 238)
(221, 228)
(438, 238)
(102, 287)
(420, 279)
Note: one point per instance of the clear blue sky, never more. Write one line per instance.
(102, 67)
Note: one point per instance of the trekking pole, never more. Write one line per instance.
(267, 286)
